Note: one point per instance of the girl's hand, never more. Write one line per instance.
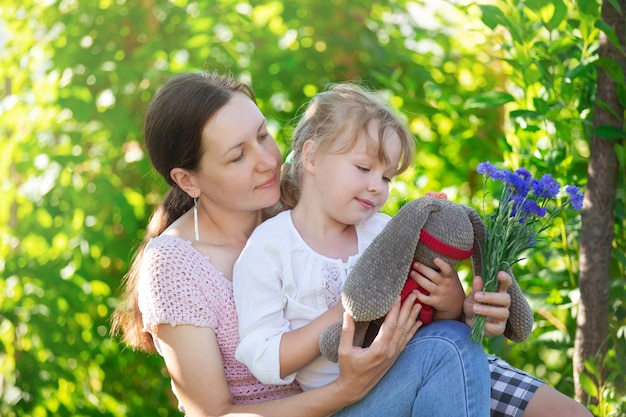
(493, 305)
(360, 369)
(446, 292)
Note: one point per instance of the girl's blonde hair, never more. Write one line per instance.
(343, 108)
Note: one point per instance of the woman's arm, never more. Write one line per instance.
(195, 366)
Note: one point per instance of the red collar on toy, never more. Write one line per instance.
(443, 248)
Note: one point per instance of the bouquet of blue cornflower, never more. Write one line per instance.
(521, 215)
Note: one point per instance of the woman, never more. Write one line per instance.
(223, 166)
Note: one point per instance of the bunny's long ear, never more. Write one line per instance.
(480, 235)
(380, 273)
(520, 322)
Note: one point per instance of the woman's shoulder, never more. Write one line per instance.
(169, 245)
(178, 286)
(169, 240)
(174, 253)
(171, 264)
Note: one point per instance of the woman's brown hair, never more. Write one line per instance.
(173, 129)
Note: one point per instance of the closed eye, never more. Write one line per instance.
(362, 168)
(239, 158)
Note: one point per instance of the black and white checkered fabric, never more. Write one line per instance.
(511, 388)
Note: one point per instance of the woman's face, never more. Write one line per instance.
(240, 166)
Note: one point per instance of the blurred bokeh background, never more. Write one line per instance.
(509, 81)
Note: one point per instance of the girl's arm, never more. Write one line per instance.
(195, 366)
(493, 305)
(446, 293)
(300, 347)
(448, 298)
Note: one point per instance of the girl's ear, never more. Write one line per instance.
(185, 181)
(309, 156)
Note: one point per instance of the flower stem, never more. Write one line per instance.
(478, 325)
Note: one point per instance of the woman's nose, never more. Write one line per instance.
(266, 158)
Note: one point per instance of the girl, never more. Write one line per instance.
(346, 149)
(209, 141)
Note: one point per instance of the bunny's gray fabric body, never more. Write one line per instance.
(423, 229)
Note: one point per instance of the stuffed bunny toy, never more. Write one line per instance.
(423, 229)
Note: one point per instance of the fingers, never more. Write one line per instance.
(493, 313)
(347, 334)
(361, 368)
(477, 284)
(493, 305)
(399, 325)
(496, 299)
(470, 300)
(445, 268)
(429, 278)
(495, 320)
(443, 289)
(505, 281)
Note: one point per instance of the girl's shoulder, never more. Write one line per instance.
(377, 222)
(274, 227)
(370, 228)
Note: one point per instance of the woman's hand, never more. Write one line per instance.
(360, 369)
(446, 292)
(493, 305)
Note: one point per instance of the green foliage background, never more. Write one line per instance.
(510, 82)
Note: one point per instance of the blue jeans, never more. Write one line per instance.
(440, 373)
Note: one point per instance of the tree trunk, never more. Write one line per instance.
(597, 229)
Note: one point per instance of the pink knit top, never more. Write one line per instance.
(180, 286)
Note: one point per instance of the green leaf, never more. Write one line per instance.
(532, 129)
(621, 158)
(530, 114)
(560, 12)
(541, 105)
(605, 106)
(562, 45)
(592, 367)
(588, 385)
(621, 94)
(610, 33)
(577, 71)
(589, 7)
(617, 7)
(493, 16)
(488, 100)
(533, 73)
(609, 132)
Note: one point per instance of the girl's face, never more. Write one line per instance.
(354, 185)
(240, 166)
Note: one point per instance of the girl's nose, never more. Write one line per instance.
(376, 184)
